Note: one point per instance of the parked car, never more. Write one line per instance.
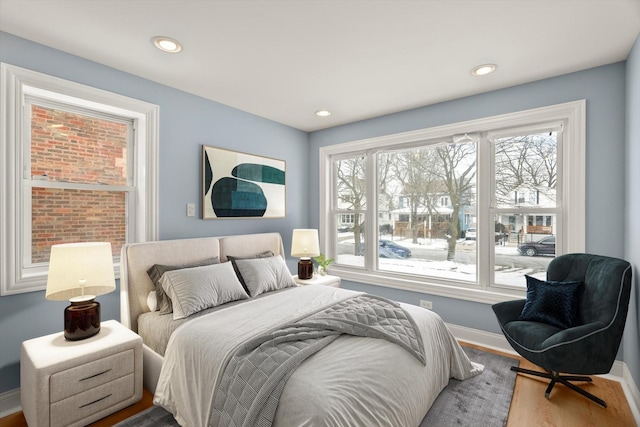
(390, 249)
(545, 246)
(470, 234)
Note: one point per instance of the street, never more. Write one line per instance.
(506, 256)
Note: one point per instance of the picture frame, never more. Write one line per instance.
(242, 185)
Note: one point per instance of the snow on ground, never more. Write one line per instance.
(445, 269)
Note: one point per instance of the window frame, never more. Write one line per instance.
(572, 160)
(537, 211)
(30, 182)
(17, 85)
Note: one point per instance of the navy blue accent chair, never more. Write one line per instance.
(591, 346)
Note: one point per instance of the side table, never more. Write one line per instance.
(73, 383)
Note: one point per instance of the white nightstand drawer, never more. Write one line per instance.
(78, 407)
(73, 383)
(84, 377)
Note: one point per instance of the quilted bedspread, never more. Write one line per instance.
(249, 391)
(355, 380)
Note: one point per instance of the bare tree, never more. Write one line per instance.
(386, 187)
(526, 162)
(415, 170)
(457, 172)
(350, 174)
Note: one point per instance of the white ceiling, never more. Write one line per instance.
(285, 59)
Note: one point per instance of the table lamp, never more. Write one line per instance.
(305, 245)
(78, 272)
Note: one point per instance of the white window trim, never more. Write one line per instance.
(15, 84)
(573, 158)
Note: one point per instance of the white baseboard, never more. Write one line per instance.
(631, 392)
(10, 402)
(619, 370)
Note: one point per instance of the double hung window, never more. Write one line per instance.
(77, 169)
(79, 166)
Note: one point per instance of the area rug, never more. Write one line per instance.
(479, 401)
(483, 400)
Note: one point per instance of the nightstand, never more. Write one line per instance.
(73, 383)
(326, 280)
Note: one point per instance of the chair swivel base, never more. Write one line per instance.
(555, 377)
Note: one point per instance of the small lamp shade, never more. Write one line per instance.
(78, 272)
(305, 245)
(72, 263)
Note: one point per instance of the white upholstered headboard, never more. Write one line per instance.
(137, 258)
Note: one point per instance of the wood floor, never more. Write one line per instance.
(17, 419)
(564, 408)
(529, 408)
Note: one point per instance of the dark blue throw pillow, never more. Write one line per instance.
(553, 303)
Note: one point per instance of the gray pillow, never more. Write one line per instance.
(265, 274)
(194, 289)
(156, 272)
(233, 259)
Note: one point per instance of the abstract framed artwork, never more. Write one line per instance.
(241, 185)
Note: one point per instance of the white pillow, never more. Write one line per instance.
(194, 289)
(265, 274)
(152, 301)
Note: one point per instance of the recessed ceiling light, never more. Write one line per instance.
(323, 113)
(167, 44)
(483, 70)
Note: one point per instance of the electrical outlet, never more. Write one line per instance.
(426, 304)
(191, 209)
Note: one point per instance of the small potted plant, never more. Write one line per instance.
(322, 263)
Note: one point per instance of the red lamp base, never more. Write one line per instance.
(81, 319)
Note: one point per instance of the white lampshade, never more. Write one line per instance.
(75, 264)
(304, 243)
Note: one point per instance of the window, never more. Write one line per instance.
(463, 210)
(350, 202)
(79, 179)
(525, 163)
(79, 165)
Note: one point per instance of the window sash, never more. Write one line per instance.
(44, 100)
(27, 218)
(30, 182)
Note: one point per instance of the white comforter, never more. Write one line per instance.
(355, 381)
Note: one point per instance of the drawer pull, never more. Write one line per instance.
(95, 401)
(96, 375)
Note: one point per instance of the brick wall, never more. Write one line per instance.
(68, 147)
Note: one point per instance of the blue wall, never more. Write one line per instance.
(632, 230)
(604, 90)
(186, 122)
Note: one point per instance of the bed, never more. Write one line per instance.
(195, 364)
